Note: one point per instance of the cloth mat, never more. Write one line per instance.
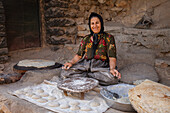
(47, 95)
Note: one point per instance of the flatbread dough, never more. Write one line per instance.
(19, 92)
(40, 91)
(36, 97)
(28, 90)
(38, 63)
(53, 104)
(29, 94)
(74, 108)
(85, 108)
(64, 106)
(42, 100)
(44, 94)
(94, 104)
(51, 98)
(74, 103)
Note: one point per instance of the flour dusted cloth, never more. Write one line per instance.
(47, 95)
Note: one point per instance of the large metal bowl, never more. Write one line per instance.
(122, 91)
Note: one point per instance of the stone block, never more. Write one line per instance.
(3, 51)
(57, 3)
(83, 33)
(55, 13)
(71, 31)
(3, 58)
(56, 31)
(80, 21)
(3, 42)
(61, 22)
(83, 27)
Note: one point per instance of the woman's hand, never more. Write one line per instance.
(115, 73)
(67, 66)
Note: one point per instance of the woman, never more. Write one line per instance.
(96, 57)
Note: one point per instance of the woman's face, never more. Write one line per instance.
(95, 24)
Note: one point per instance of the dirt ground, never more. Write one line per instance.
(17, 105)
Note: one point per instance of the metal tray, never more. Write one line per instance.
(121, 90)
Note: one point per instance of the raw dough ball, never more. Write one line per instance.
(42, 100)
(64, 106)
(36, 97)
(19, 92)
(44, 94)
(94, 104)
(74, 108)
(40, 90)
(73, 103)
(51, 98)
(85, 108)
(29, 94)
(53, 104)
(28, 90)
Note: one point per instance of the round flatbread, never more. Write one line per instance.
(38, 63)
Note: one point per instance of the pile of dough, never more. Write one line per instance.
(42, 100)
(74, 108)
(44, 94)
(51, 98)
(94, 104)
(64, 106)
(36, 97)
(40, 90)
(53, 104)
(74, 103)
(85, 108)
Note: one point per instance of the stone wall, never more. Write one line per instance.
(3, 40)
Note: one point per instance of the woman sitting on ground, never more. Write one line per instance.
(96, 57)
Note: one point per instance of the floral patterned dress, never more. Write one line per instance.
(96, 66)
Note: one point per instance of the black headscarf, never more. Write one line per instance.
(101, 20)
(95, 35)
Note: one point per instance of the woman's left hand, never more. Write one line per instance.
(115, 73)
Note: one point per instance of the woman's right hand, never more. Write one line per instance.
(67, 66)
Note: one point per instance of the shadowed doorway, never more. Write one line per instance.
(22, 24)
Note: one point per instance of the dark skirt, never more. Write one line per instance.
(93, 68)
